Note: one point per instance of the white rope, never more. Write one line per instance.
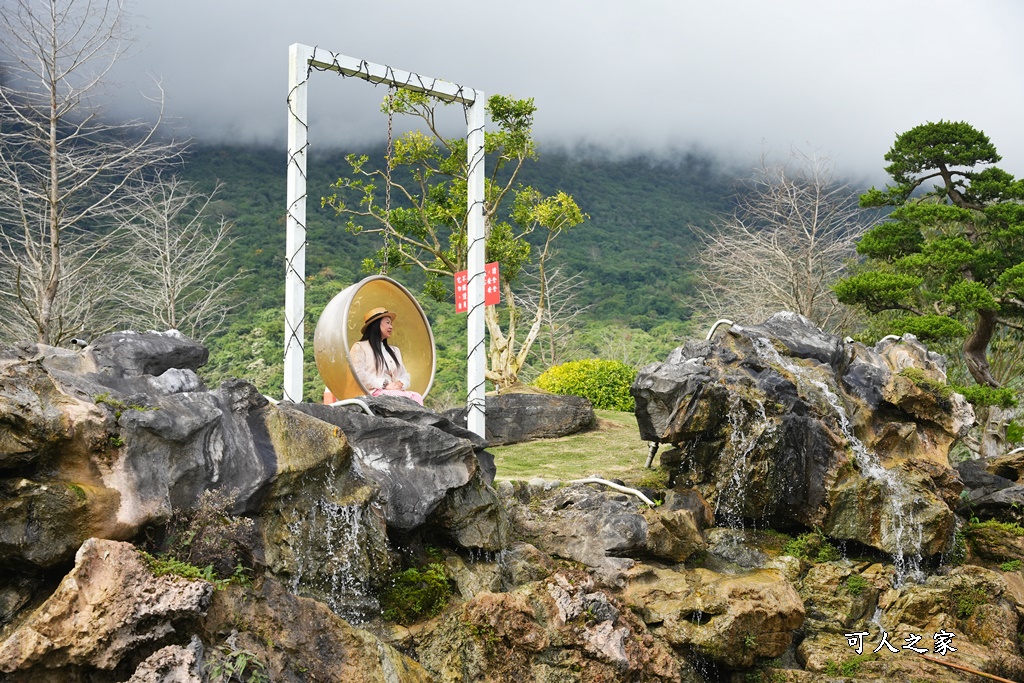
(714, 327)
(388, 150)
(617, 487)
(354, 402)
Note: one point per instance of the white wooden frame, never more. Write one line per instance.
(302, 60)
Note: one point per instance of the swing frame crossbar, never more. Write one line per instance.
(302, 61)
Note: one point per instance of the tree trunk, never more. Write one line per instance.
(976, 349)
(992, 437)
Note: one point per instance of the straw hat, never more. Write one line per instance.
(376, 314)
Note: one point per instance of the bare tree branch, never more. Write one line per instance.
(794, 228)
(175, 264)
(66, 172)
(561, 294)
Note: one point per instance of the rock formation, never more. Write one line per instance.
(106, 610)
(773, 430)
(521, 416)
(107, 441)
(783, 424)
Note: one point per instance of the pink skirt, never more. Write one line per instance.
(398, 392)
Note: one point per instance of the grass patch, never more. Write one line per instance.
(812, 546)
(78, 491)
(416, 593)
(117, 405)
(654, 478)
(163, 565)
(855, 584)
(966, 599)
(614, 450)
(919, 378)
(1006, 527)
(849, 667)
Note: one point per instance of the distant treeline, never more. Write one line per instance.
(634, 253)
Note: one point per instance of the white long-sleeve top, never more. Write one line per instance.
(361, 356)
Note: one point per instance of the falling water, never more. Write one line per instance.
(335, 550)
(903, 528)
(331, 564)
(744, 436)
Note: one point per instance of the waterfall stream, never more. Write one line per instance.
(744, 436)
(337, 552)
(336, 574)
(899, 523)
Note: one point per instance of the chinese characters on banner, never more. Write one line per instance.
(492, 288)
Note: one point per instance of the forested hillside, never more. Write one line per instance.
(634, 255)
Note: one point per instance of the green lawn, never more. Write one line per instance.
(613, 450)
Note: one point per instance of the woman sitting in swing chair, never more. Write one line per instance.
(378, 365)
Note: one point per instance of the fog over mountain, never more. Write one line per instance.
(733, 77)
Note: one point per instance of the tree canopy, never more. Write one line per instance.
(423, 217)
(949, 259)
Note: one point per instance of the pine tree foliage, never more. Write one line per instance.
(948, 263)
(949, 257)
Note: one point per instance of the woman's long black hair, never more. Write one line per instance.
(373, 336)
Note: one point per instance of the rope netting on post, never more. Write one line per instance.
(303, 61)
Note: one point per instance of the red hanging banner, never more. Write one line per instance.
(492, 288)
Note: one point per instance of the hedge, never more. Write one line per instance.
(604, 382)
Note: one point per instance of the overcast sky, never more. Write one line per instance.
(727, 76)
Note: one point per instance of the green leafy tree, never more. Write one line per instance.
(422, 214)
(948, 264)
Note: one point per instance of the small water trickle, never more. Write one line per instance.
(876, 618)
(745, 434)
(479, 555)
(704, 667)
(903, 529)
(334, 551)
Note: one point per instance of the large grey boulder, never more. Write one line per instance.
(418, 465)
(604, 529)
(988, 495)
(783, 423)
(599, 529)
(518, 417)
(93, 445)
(412, 413)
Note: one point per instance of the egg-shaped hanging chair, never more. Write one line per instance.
(339, 328)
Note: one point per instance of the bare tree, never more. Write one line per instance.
(178, 277)
(556, 302)
(794, 228)
(66, 173)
